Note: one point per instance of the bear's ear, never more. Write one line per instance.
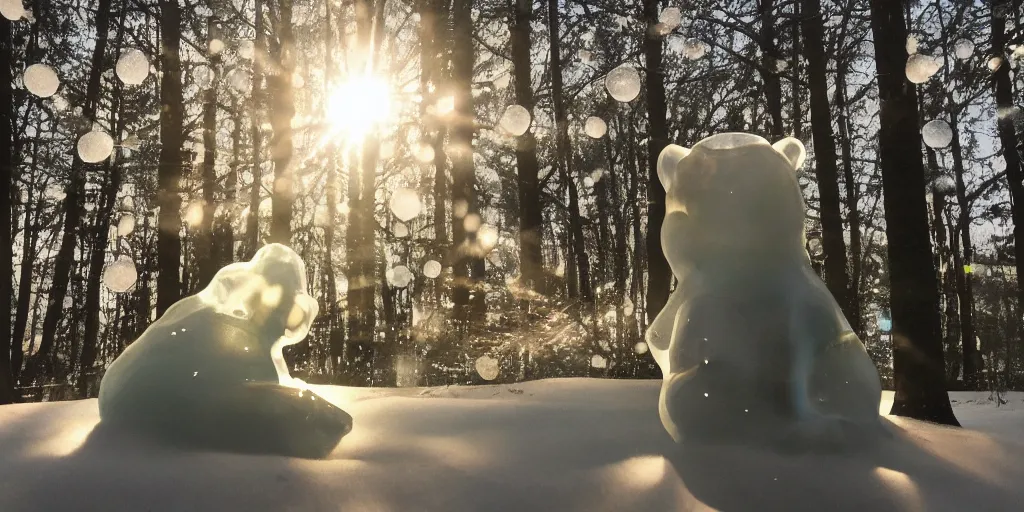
(668, 161)
(792, 150)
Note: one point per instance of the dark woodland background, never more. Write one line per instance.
(549, 240)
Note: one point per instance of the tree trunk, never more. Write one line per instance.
(8, 170)
(224, 245)
(97, 257)
(252, 228)
(1009, 142)
(833, 243)
(564, 158)
(205, 241)
(659, 275)
(768, 68)
(39, 363)
(335, 337)
(168, 238)
(531, 261)
(282, 110)
(918, 368)
(468, 294)
(852, 201)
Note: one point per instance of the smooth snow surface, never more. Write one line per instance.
(555, 445)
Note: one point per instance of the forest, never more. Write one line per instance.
(472, 184)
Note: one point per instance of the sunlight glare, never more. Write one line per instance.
(356, 107)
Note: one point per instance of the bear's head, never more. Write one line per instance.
(267, 293)
(732, 196)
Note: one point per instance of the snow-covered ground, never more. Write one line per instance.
(560, 445)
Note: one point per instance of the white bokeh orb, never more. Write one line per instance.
(516, 120)
(964, 49)
(240, 80)
(920, 68)
(623, 83)
(41, 80)
(406, 204)
(937, 134)
(95, 146)
(944, 184)
(126, 225)
(595, 127)
(12, 9)
(671, 17)
(132, 67)
(246, 49)
(399, 277)
(694, 49)
(432, 269)
(487, 367)
(120, 275)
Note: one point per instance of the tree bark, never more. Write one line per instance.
(1009, 143)
(468, 294)
(826, 170)
(282, 110)
(769, 75)
(252, 228)
(564, 158)
(168, 238)
(205, 241)
(8, 171)
(531, 261)
(852, 201)
(39, 363)
(918, 368)
(659, 275)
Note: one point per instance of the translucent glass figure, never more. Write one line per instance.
(210, 373)
(752, 345)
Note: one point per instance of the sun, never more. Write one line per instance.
(358, 106)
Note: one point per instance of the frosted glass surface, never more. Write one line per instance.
(752, 345)
(209, 373)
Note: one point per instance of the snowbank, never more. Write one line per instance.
(572, 444)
